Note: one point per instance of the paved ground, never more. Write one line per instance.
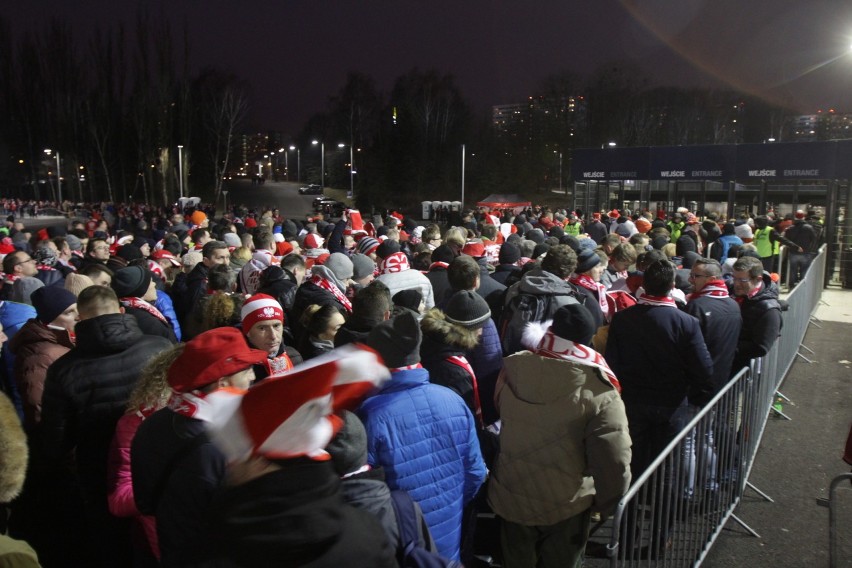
(798, 459)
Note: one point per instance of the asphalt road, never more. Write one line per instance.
(283, 195)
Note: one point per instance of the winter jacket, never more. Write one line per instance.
(543, 283)
(369, 492)
(36, 347)
(175, 469)
(86, 390)
(761, 324)
(13, 316)
(564, 442)
(490, 290)
(723, 244)
(597, 231)
(435, 457)
(187, 292)
(659, 356)
(441, 340)
(151, 324)
(409, 280)
(720, 321)
(295, 517)
(167, 308)
(505, 273)
(803, 235)
(120, 482)
(487, 362)
(440, 281)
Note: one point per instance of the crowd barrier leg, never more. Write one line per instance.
(832, 517)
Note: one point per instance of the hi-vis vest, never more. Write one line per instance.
(765, 247)
(675, 229)
(573, 229)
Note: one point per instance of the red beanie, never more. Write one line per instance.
(260, 307)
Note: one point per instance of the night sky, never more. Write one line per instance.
(297, 54)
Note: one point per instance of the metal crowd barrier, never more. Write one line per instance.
(677, 507)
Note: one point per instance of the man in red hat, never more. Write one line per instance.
(175, 467)
(263, 325)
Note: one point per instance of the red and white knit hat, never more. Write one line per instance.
(313, 241)
(293, 415)
(260, 307)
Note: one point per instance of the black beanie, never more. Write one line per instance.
(397, 340)
(557, 231)
(571, 241)
(586, 260)
(540, 249)
(408, 299)
(510, 253)
(50, 302)
(574, 323)
(348, 449)
(467, 309)
(131, 282)
(129, 252)
(387, 248)
(536, 235)
(443, 253)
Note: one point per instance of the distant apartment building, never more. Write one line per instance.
(540, 121)
(824, 125)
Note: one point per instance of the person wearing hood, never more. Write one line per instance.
(13, 471)
(41, 341)
(722, 245)
(282, 282)
(564, 443)
(320, 324)
(757, 296)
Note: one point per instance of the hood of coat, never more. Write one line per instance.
(436, 327)
(538, 281)
(544, 380)
(13, 448)
(36, 332)
(109, 333)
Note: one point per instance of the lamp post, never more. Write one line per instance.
(225, 194)
(180, 168)
(298, 163)
(48, 152)
(322, 162)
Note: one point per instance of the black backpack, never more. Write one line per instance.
(411, 553)
(522, 309)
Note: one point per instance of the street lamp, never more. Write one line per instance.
(180, 168)
(48, 151)
(322, 162)
(298, 163)
(225, 194)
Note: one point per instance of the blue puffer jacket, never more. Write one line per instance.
(167, 308)
(13, 316)
(424, 437)
(487, 362)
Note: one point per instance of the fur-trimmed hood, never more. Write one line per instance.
(13, 451)
(435, 325)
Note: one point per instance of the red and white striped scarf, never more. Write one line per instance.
(194, 404)
(141, 304)
(713, 289)
(462, 362)
(555, 347)
(326, 284)
(396, 262)
(438, 264)
(589, 283)
(663, 301)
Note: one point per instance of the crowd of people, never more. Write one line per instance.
(267, 390)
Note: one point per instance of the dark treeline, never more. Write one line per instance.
(410, 139)
(115, 105)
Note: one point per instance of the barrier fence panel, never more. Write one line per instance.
(677, 507)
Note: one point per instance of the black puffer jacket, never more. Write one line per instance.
(296, 516)
(86, 390)
(761, 324)
(441, 340)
